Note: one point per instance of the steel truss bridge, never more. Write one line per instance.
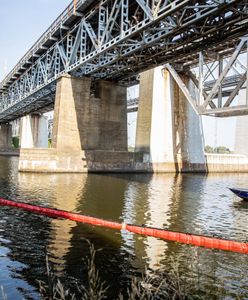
(117, 39)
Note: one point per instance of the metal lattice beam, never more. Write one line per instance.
(117, 39)
(218, 96)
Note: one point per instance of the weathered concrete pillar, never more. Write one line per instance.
(168, 130)
(67, 123)
(34, 132)
(89, 122)
(112, 116)
(188, 132)
(154, 133)
(5, 137)
(89, 131)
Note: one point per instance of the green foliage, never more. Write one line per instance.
(219, 150)
(209, 149)
(222, 150)
(15, 142)
(49, 143)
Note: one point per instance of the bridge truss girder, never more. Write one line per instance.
(117, 39)
(218, 82)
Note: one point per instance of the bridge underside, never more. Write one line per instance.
(116, 40)
(40, 102)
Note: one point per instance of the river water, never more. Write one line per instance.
(191, 203)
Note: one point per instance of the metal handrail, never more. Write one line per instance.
(69, 10)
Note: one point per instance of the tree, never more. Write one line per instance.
(209, 149)
(219, 149)
(222, 150)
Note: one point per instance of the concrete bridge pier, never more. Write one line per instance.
(89, 132)
(5, 137)
(168, 130)
(87, 118)
(90, 129)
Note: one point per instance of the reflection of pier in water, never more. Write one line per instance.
(102, 197)
(31, 236)
(64, 192)
(148, 203)
(24, 235)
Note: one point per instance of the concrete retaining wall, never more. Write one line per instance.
(226, 163)
(54, 161)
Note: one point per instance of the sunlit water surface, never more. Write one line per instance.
(189, 203)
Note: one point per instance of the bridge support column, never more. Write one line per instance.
(188, 132)
(168, 130)
(5, 137)
(89, 132)
(89, 121)
(34, 132)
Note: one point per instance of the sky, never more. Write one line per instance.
(22, 22)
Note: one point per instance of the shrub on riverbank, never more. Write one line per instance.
(170, 283)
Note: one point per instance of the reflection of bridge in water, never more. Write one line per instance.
(82, 64)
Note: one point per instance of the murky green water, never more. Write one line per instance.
(187, 203)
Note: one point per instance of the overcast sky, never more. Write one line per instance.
(22, 22)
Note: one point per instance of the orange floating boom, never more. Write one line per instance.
(196, 240)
